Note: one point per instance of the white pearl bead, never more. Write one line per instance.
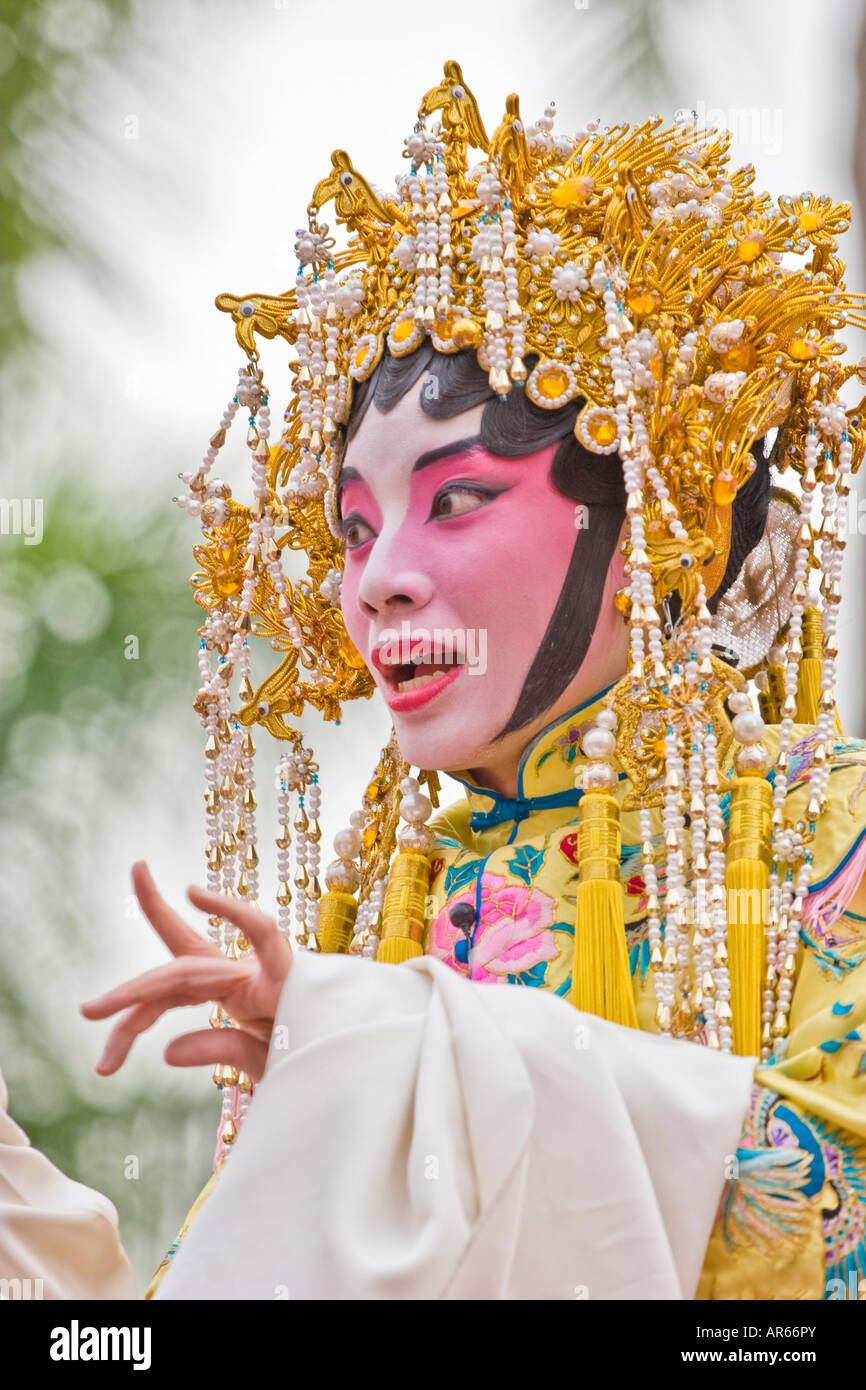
(598, 743)
(598, 776)
(416, 837)
(347, 843)
(748, 727)
(415, 808)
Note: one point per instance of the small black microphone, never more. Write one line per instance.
(462, 917)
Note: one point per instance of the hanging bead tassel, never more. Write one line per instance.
(338, 907)
(403, 908)
(747, 881)
(337, 912)
(809, 674)
(601, 978)
(405, 905)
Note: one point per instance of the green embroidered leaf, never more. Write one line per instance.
(526, 863)
(460, 876)
(532, 978)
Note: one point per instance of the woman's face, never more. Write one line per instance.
(458, 556)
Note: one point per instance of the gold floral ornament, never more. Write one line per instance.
(221, 558)
(684, 701)
(817, 219)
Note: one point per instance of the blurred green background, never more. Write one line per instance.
(154, 155)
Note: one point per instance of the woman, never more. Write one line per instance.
(482, 478)
(414, 1134)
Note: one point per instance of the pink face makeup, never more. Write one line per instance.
(455, 559)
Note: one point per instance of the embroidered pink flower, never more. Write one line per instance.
(513, 934)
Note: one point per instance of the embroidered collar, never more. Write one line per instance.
(545, 775)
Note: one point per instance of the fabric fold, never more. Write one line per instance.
(58, 1238)
(418, 1136)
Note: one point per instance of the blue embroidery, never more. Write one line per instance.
(526, 863)
(460, 876)
(533, 977)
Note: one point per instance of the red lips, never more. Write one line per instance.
(403, 701)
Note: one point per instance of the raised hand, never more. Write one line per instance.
(247, 989)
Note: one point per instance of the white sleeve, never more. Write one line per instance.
(58, 1238)
(419, 1136)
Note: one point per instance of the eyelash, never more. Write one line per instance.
(478, 489)
(346, 524)
(456, 488)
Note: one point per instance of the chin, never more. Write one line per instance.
(448, 742)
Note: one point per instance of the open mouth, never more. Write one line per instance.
(425, 672)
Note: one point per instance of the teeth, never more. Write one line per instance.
(417, 681)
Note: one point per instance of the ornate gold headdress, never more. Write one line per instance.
(632, 269)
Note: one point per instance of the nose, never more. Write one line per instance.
(392, 581)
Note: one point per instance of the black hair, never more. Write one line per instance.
(513, 426)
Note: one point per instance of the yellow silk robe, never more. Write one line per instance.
(792, 1220)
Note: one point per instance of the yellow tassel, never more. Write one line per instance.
(747, 881)
(403, 911)
(601, 979)
(393, 950)
(809, 674)
(770, 702)
(767, 707)
(337, 912)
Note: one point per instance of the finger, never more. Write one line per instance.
(231, 1046)
(187, 980)
(272, 950)
(136, 1020)
(179, 937)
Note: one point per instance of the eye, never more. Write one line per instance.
(459, 499)
(355, 532)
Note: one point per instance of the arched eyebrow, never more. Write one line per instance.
(457, 446)
(347, 475)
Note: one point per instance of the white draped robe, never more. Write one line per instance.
(418, 1136)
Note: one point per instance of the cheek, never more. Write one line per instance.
(352, 616)
(522, 569)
